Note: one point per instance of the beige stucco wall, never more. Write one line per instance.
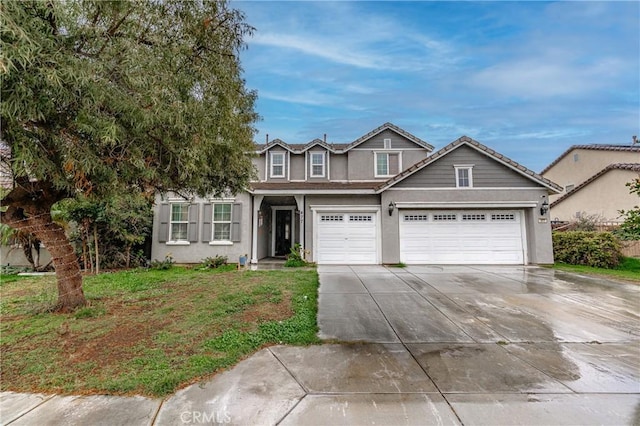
(602, 197)
(589, 162)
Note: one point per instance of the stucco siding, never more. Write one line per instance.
(361, 164)
(259, 164)
(487, 173)
(603, 198)
(195, 251)
(338, 167)
(297, 165)
(581, 164)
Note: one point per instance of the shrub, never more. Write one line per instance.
(162, 265)
(213, 262)
(295, 259)
(597, 249)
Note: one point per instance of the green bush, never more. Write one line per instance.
(295, 259)
(213, 262)
(597, 249)
(162, 265)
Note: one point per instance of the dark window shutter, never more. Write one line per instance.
(207, 214)
(193, 222)
(236, 219)
(163, 229)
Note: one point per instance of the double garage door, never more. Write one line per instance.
(426, 237)
(461, 237)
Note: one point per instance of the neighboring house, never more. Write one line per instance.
(383, 198)
(594, 178)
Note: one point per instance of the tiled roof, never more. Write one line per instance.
(595, 147)
(328, 186)
(343, 147)
(616, 166)
(477, 145)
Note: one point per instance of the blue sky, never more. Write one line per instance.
(528, 79)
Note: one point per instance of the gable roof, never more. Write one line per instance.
(341, 148)
(616, 166)
(595, 147)
(467, 141)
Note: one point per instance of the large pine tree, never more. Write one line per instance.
(100, 98)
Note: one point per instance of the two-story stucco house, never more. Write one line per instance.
(383, 198)
(593, 178)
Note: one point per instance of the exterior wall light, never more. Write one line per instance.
(391, 207)
(544, 208)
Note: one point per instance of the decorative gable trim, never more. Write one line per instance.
(467, 141)
(616, 166)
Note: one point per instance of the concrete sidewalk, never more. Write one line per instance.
(430, 345)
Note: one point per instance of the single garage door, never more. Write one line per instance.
(346, 238)
(461, 237)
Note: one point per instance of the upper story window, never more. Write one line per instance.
(387, 164)
(179, 222)
(464, 176)
(317, 164)
(277, 164)
(221, 222)
(387, 144)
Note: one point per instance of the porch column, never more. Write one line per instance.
(257, 202)
(300, 203)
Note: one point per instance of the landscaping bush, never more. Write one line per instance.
(295, 259)
(162, 265)
(213, 262)
(597, 249)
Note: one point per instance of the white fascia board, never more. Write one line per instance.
(465, 204)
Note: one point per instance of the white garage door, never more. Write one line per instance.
(461, 237)
(346, 238)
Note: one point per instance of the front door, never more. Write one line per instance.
(283, 232)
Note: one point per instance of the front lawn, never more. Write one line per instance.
(148, 332)
(629, 269)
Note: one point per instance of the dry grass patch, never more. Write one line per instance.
(149, 332)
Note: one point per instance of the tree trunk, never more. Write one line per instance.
(29, 210)
(95, 240)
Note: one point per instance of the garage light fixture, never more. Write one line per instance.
(544, 208)
(391, 207)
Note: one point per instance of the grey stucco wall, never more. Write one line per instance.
(194, 252)
(334, 200)
(338, 167)
(537, 228)
(259, 163)
(297, 166)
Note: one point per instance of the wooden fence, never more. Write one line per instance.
(631, 248)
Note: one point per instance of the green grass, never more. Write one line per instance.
(149, 332)
(628, 269)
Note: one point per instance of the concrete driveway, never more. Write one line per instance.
(416, 345)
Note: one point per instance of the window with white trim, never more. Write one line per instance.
(317, 164)
(277, 164)
(179, 222)
(387, 164)
(464, 176)
(221, 222)
(387, 144)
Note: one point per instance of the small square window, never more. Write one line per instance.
(387, 164)
(464, 176)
